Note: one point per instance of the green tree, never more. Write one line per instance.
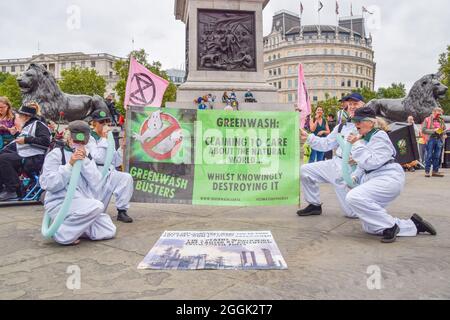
(395, 91)
(122, 68)
(367, 94)
(82, 81)
(3, 76)
(444, 63)
(10, 88)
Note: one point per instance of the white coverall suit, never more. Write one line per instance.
(118, 183)
(87, 217)
(381, 182)
(327, 171)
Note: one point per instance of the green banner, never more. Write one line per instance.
(209, 157)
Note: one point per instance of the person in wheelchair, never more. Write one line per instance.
(86, 217)
(7, 128)
(26, 152)
(119, 184)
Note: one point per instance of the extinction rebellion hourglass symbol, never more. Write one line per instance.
(145, 93)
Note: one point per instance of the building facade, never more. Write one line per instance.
(177, 76)
(103, 63)
(337, 59)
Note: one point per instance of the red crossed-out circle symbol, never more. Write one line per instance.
(150, 144)
(146, 90)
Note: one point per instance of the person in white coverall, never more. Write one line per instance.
(119, 184)
(381, 180)
(86, 217)
(330, 171)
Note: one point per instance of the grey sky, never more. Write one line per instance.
(411, 34)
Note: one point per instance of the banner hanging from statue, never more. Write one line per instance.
(143, 87)
(213, 157)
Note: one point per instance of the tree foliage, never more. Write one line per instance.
(10, 88)
(82, 81)
(444, 63)
(122, 69)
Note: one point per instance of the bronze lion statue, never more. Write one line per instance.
(37, 84)
(419, 103)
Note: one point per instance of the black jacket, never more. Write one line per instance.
(42, 136)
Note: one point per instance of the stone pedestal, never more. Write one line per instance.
(224, 51)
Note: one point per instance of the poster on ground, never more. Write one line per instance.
(209, 157)
(215, 250)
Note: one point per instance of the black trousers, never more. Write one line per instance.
(10, 164)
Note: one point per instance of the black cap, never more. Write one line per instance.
(365, 113)
(100, 115)
(355, 96)
(79, 131)
(28, 111)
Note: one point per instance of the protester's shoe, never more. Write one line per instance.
(310, 210)
(8, 195)
(427, 175)
(438, 175)
(123, 216)
(422, 225)
(390, 235)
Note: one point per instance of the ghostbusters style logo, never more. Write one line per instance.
(146, 90)
(160, 136)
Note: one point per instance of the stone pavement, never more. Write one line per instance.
(328, 256)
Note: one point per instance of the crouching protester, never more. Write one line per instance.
(313, 174)
(86, 217)
(119, 184)
(25, 153)
(381, 180)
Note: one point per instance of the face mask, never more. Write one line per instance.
(77, 146)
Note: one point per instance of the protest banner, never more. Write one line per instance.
(213, 157)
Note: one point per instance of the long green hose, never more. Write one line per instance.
(347, 169)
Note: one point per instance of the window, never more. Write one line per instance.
(326, 67)
(13, 68)
(83, 64)
(92, 64)
(349, 83)
(357, 83)
(270, 73)
(296, 83)
(290, 97)
(279, 85)
(274, 72)
(289, 83)
(22, 68)
(279, 71)
(325, 51)
(111, 75)
(325, 82)
(111, 64)
(343, 83)
(270, 58)
(315, 99)
(63, 65)
(279, 56)
(274, 57)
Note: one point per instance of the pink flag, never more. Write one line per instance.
(304, 104)
(143, 87)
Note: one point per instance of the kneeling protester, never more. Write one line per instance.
(86, 217)
(381, 180)
(119, 184)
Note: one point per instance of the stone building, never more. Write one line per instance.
(336, 59)
(103, 63)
